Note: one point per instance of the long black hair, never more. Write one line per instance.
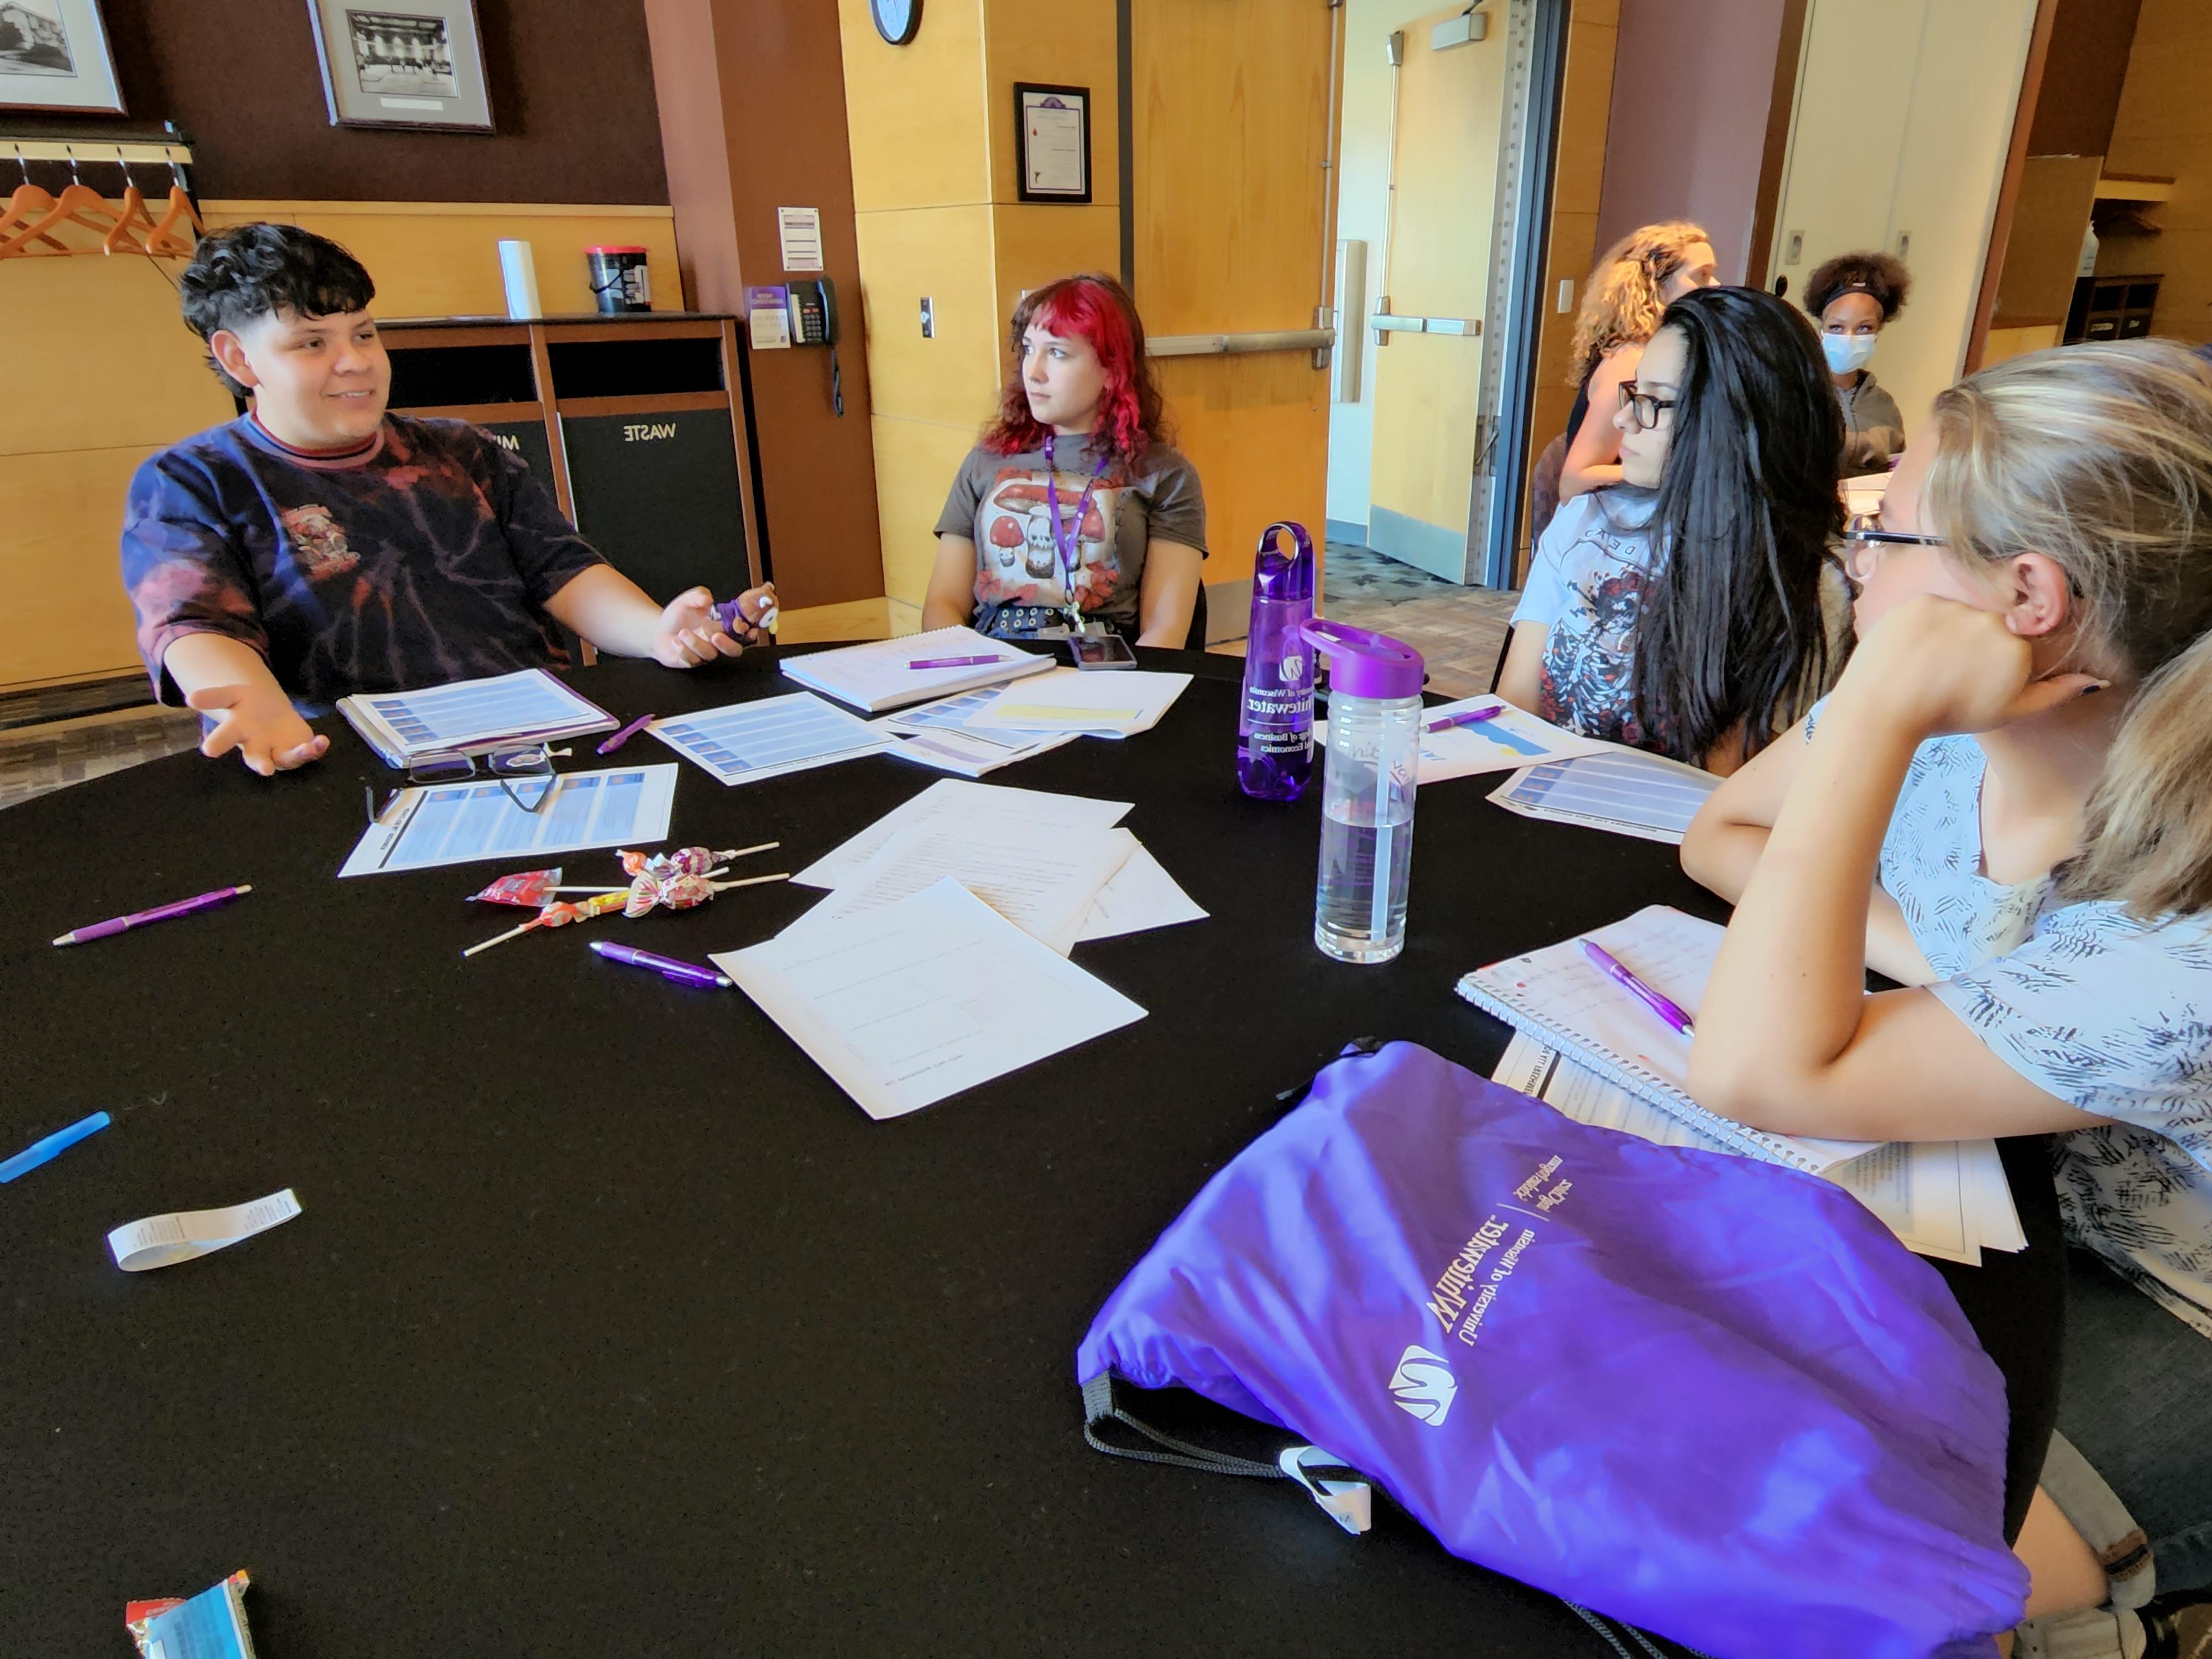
(1731, 630)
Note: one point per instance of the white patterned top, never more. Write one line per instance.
(2089, 1004)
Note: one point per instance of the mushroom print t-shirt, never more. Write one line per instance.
(1003, 504)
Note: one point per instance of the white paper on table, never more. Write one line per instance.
(970, 754)
(1119, 702)
(1514, 739)
(746, 742)
(878, 676)
(428, 826)
(162, 1240)
(1914, 1188)
(1044, 880)
(973, 804)
(1627, 792)
(911, 1002)
(1141, 896)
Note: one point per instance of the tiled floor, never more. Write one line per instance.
(34, 759)
(1457, 629)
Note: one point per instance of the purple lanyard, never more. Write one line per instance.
(1067, 540)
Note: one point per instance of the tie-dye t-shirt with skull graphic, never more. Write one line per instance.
(1586, 585)
(1002, 503)
(425, 557)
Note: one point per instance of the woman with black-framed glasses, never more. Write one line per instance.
(1690, 608)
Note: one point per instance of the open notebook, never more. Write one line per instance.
(1558, 997)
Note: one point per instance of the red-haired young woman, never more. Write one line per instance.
(1072, 510)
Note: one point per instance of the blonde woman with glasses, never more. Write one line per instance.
(2006, 805)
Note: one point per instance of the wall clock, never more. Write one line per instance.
(897, 20)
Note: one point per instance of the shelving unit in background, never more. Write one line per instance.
(639, 425)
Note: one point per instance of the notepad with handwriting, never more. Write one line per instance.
(1560, 998)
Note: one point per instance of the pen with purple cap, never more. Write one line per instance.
(1612, 968)
(1466, 717)
(159, 912)
(954, 662)
(683, 973)
(625, 734)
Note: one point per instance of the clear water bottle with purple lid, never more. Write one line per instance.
(1367, 791)
(1274, 729)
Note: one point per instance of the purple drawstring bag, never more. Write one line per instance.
(1710, 1397)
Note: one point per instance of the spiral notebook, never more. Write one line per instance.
(1558, 997)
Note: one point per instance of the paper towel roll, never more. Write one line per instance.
(520, 270)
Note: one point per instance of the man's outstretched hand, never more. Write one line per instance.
(261, 724)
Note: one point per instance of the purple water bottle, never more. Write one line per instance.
(1274, 728)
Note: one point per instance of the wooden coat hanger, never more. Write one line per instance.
(134, 212)
(27, 200)
(78, 204)
(165, 242)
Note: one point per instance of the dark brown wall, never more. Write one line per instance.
(2080, 97)
(1692, 88)
(571, 85)
(753, 101)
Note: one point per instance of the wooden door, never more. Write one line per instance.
(1231, 108)
(1437, 265)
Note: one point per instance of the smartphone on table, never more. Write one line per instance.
(1100, 651)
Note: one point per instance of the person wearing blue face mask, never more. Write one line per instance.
(1853, 296)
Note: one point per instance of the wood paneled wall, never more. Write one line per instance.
(102, 372)
(1570, 248)
(933, 190)
(2164, 130)
(752, 103)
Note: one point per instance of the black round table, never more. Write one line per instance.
(610, 1324)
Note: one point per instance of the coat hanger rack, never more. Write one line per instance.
(34, 223)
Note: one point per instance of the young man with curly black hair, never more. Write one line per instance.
(319, 545)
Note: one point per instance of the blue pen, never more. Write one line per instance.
(53, 1146)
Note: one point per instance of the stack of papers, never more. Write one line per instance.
(878, 675)
(1117, 703)
(471, 716)
(906, 1003)
(1055, 865)
(1948, 1199)
(938, 734)
(1513, 738)
(1627, 791)
(745, 741)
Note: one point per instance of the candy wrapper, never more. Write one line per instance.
(212, 1623)
(530, 889)
(560, 914)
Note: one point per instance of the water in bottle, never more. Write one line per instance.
(1275, 730)
(1367, 791)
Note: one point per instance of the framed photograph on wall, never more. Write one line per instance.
(53, 55)
(401, 63)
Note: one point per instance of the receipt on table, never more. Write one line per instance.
(161, 1241)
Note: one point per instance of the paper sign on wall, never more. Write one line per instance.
(800, 229)
(765, 310)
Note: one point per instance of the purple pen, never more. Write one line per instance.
(625, 734)
(953, 662)
(1466, 717)
(1611, 967)
(160, 912)
(683, 973)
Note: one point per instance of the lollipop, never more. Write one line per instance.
(530, 888)
(681, 890)
(687, 860)
(560, 914)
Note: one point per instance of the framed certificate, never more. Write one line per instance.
(1052, 143)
